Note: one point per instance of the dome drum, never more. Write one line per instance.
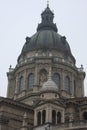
(46, 47)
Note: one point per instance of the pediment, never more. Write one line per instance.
(54, 102)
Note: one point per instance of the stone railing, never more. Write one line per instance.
(63, 126)
(55, 59)
(72, 125)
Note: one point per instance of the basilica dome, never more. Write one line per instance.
(47, 37)
(47, 40)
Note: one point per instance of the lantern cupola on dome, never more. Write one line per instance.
(47, 20)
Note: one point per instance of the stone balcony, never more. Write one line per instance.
(72, 125)
(77, 125)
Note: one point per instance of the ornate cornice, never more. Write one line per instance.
(15, 103)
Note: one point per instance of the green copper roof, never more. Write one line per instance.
(46, 37)
(46, 40)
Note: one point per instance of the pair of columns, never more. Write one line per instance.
(48, 118)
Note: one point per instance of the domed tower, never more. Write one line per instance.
(45, 49)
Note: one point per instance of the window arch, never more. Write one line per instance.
(21, 82)
(53, 117)
(39, 118)
(30, 81)
(43, 116)
(67, 84)
(58, 117)
(56, 79)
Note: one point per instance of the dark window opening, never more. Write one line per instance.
(67, 84)
(39, 118)
(43, 117)
(53, 117)
(30, 81)
(56, 79)
(58, 117)
(85, 115)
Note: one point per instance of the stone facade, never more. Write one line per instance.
(12, 114)
(46, 88)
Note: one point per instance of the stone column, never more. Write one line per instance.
(82, 88)
(35, 118)
(25, 81)
(72, 86)
(70, 119)
(56, 117)
(36, 86)
(36, 76)
(47, 115)
(16, 87)
(62, 117)
(50, 114)
(11, 84)
(62, 81)
(25, 125)
(41, 116)
(82, 85)
(62, 84)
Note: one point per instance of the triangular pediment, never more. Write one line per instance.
(54, 102)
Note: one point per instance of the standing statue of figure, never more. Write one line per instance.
(43, 78)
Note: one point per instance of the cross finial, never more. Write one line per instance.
(47, 3)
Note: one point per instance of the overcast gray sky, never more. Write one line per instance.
(19, 18)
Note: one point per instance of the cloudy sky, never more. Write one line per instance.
(19, 18)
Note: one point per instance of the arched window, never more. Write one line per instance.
(56, 79)
(53, 117)
(39, 118)
(21, 84)
(30, 81)
(67, 84)
(43, 117)
(58, 117)
(42, 76)
(85, 116)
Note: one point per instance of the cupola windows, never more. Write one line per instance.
(56, 79)
(30, 81)
(67, 84)
(42, 117)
